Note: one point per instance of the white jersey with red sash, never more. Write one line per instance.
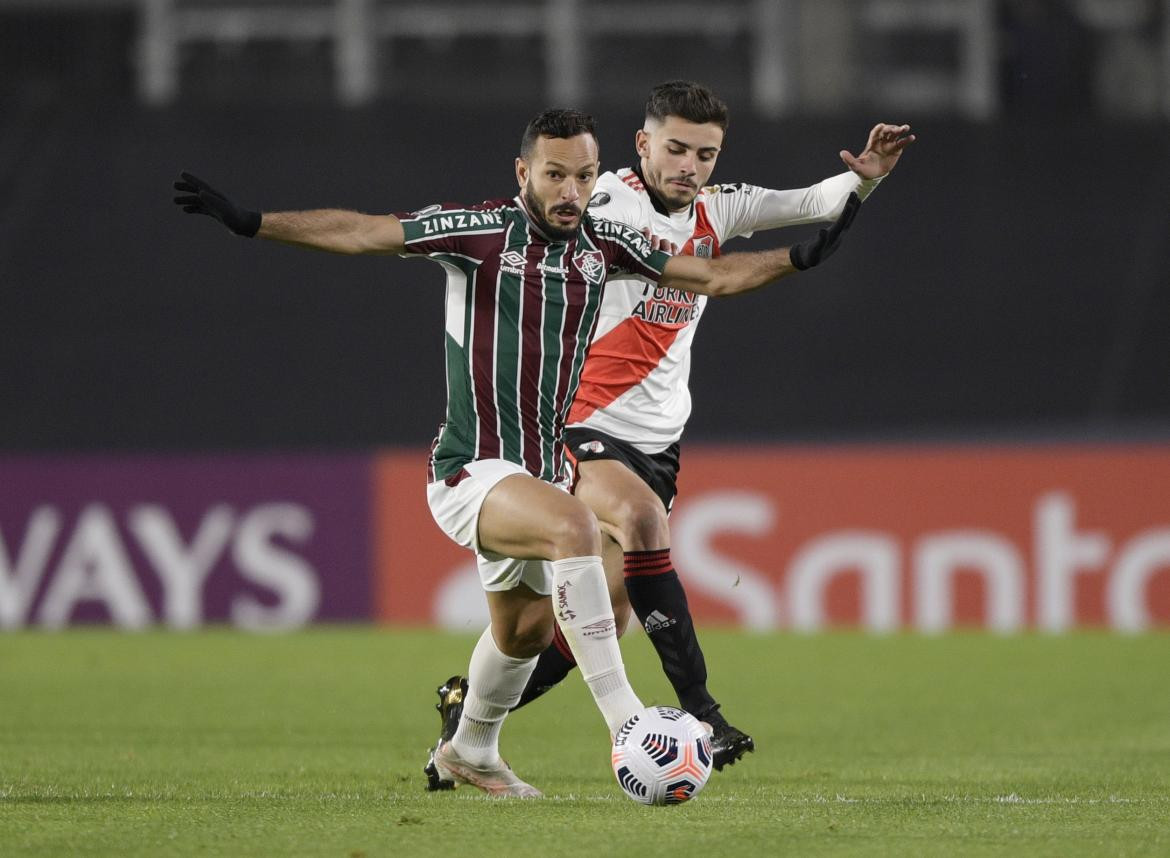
(635, 381)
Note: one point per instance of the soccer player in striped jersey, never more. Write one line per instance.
(633, 400)
(525, 278)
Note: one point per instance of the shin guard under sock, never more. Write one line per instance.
(583, 611)
(660, 603)
(494, 684)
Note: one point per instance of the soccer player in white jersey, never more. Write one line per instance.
(524, 282)
(633, 401)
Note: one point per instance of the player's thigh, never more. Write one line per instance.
(627, 509)
(526, 517)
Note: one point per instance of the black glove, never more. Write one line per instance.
(824, 244)
(206, 200)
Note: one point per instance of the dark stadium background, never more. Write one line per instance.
(924, 508)
(1009, 281)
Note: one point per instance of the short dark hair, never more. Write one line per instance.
(686, 100)
(558, 122)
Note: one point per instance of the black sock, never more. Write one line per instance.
(552, 666)
(660, 603)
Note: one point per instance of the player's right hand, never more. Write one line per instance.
(200, 198)
(656, 243)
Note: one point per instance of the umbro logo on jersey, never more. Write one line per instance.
(658, 621)
(592, 447)
(591, 264)
(512, 262)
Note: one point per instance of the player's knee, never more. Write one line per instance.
(577, 534)
(642, 524)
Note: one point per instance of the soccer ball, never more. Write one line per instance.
(662, 755)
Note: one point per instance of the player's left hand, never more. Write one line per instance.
(885, 146)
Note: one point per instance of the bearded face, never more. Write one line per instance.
(559, 221)
(556, 181)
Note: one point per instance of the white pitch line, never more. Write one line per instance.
(11, 794)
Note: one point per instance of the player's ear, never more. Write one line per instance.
(642, 143)
(521, 172)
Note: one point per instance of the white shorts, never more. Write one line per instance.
(456, 511)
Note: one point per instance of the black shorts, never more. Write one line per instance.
(658, 470)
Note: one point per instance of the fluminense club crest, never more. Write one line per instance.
(591, 264)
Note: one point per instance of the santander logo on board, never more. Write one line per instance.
(1042, 582)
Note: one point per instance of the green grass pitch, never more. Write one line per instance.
(222, 743)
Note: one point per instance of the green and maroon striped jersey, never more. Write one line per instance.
(521, 310)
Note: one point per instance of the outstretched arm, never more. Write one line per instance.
(764, 208)
(333, 230)
(743, 272)
(727, 275)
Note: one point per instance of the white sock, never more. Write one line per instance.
(494, 684)
(582, 609)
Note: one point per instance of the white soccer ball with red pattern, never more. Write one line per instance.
(662, 755)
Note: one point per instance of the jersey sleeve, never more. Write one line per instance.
(741, 209)
(448, 227)
(627, 251)
(614, 200)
